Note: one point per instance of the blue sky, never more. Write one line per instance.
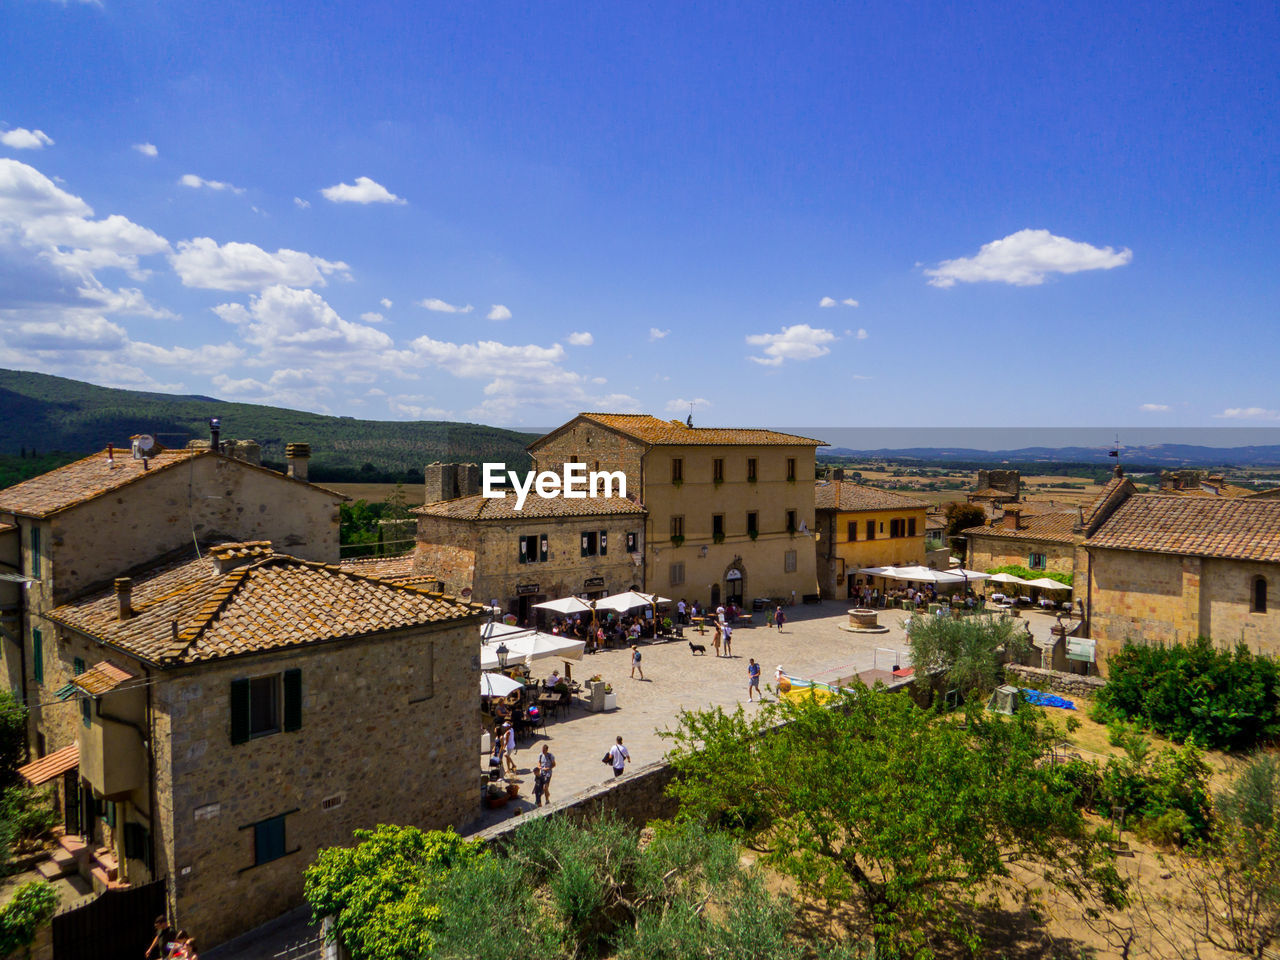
(1042, 221)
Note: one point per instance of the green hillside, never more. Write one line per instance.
(48, 414)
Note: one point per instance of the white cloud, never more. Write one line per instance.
(1248, 413)
(301, 204)
(832, 302)
(849, 302)
(372, 317)
(147, 149)
(862, 334)
(656, 334)
(826, 302)
(581, 339)
(681, 405)
(386, 304)
(196, 183)
(282, 321)
(440, 306)
(20, 138)
(1154, 408)
(498, 312)
(797, 342)
(204, 264)
(363, 190)
(1024, 259)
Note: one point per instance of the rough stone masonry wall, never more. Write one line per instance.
(597, 447)
(1075, 683)
(388, 729)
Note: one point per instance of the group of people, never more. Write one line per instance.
(167, 945)
(869, 596)
(600, 633)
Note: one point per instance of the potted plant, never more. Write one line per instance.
(666, 626)
(596, 688)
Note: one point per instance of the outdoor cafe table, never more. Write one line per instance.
(701, 623)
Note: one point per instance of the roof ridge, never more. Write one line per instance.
(209, 611)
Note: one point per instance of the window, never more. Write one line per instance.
(533, 548)
(677, 527)
(871, 529)
(1036, 561)
(604, 543)
(791, 521)
(897, 528)
(717, 525)
(911, 526)
(1259, 604)
(633, 541)
(261, 706)
(268, 840)
(753, 524)
(853, 530)
(791, 468)
(37, 655)
(677, 574)
(589, 543)
(35, 551)
(677, 470)
(752, 465)
(789, 561)
(717, 471)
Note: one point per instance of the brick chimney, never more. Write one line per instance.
(297, 455)
(1012, 518)
(124, 596)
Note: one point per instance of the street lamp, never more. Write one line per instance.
(502, 653)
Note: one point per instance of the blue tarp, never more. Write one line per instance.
(1046, 699)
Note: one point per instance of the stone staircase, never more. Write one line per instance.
(73, 855)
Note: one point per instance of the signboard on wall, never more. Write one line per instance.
(592, 583)
(526, 589)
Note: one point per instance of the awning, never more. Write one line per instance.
(47, 767)
(530, 647)
(497, 685)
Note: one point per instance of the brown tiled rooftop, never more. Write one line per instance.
(985, 492)
(396, 569)
(504, 508)
(1237, 528)
(95, 475)
(51, 765)
(852, 497)
(1054, 527)
(188, 612)
(101, 678)
(650, 429)
(1115, 491)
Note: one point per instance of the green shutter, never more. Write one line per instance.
(78, 666)
(37, 655)
(239, 711)
(293, 700)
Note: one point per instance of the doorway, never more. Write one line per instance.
(735, 584)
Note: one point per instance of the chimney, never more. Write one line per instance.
(297, 455)
(124, 593)
(837, 474)
(215, 429)
(1012, 517)
(228, 556)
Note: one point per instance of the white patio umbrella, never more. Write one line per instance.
(629, 600)
(1007, 578)
(498, 685)
(496, 628)
(531, 647)
(565, 605)
(1044, 583)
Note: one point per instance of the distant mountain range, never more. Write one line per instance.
(46, 414)
(1165, 455)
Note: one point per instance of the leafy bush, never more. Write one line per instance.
(970, 651)
(31, 907)
(1217, 697)
(1165, 796)
(13, 737)
(28, 814)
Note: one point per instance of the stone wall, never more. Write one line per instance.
(448, 481)
(1056, 680)
(986, 552)
(598, 447)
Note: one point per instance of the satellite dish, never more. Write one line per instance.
(146, 442)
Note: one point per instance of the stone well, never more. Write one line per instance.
(863, 617)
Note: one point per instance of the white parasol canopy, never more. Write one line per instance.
(498, 685)
(629, 600)
(496, 628)
(920, 574)
(565, 605)
(1008, 578)
(1044, 583)
(530, 647)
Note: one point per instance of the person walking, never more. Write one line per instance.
(509, 746)
(753, 678)
(728, 640)
(779, 617)
(546, 763)
(635, 662)
(619, 757)
(715, 640)
(682, 614)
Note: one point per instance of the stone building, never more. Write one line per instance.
(861, 526)
(730, 512)
(235, 713)
(79, 526)
(449, 481)
(486, 549)
(996, 486)
(1042, 541)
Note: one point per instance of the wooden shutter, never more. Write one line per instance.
(542, 555)
(293, 700)
(37, 655)
(239, 711)
(604, 543)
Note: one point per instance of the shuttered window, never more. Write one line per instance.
(292, 700)
(37, 655)
(239, 711)
(262, 706)
(268, 840)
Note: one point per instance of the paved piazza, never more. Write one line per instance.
(810, 645)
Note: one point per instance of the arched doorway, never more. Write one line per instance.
(735, 579)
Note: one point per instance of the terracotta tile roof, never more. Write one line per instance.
(1052, 527)
(51, 765)
(504, 508)
(6, 527)
(92, 477)
(1237, 528)
(985, 492)
(101, 678)
(1115, 491)
(652, 430)
(187, 612)
(395, 569)
(856, 496)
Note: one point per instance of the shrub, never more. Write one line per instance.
(1165, 796)
(1220, 698)
(13, 737)
(31, 907)
(29, 813)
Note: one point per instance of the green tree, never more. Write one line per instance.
(970, 652)
(961, 516)
(31, 907)
(13, 737)
(873, 799)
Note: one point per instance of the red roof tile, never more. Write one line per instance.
(503, 509)
(856, 496)
(52, 765)
(1237, 528)
(652, 430)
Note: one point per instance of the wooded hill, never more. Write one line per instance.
(47, 414)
